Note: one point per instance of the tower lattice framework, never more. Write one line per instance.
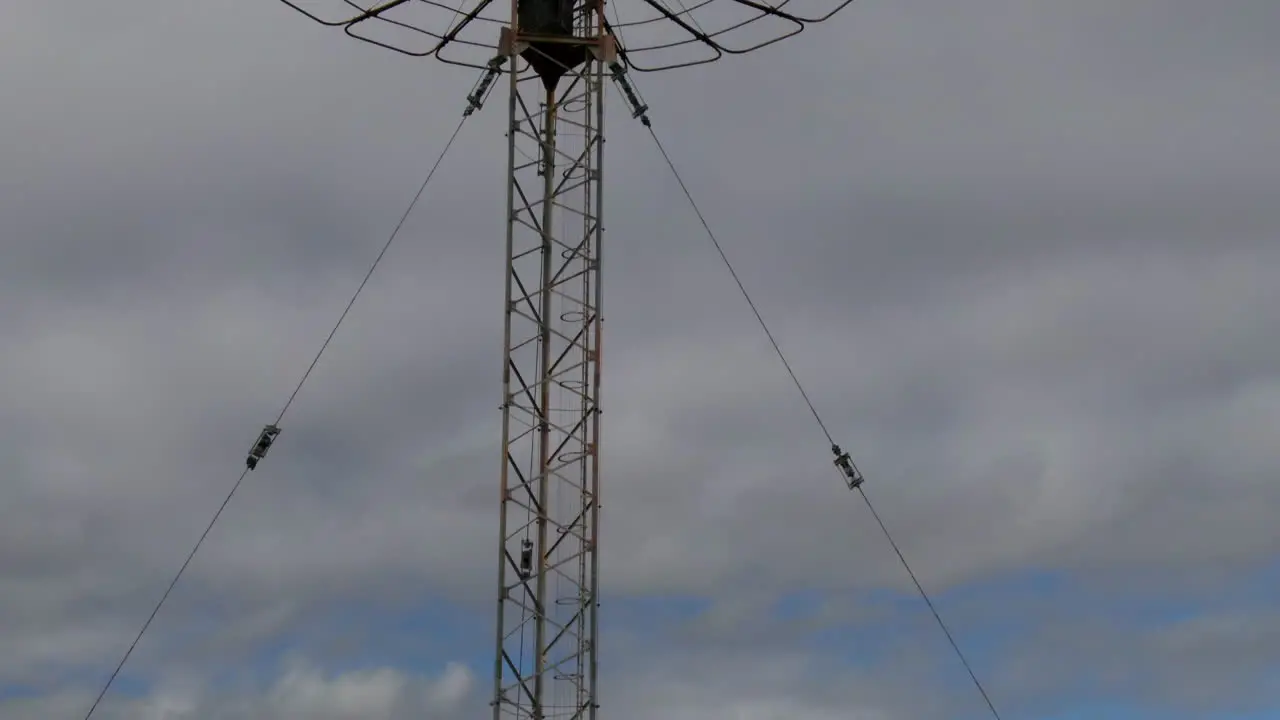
(556, 56)
(545, 655)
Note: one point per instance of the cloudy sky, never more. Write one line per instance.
(1023, 254)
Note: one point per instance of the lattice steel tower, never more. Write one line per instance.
(557, 55)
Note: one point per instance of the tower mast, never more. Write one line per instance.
(557, 54)
(545, 654)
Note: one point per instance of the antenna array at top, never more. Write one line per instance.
(652, 34)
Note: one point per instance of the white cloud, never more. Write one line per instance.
(300, 692)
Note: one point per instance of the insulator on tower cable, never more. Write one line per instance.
(843, 461)
(638, 108)
(481, 91)
(260, 448)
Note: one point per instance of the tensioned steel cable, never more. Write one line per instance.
(422, 188)
(778, 349)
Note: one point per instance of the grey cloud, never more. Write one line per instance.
(1023, 257)
(1202, 667)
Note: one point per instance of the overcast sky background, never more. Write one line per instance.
(1022, 253)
